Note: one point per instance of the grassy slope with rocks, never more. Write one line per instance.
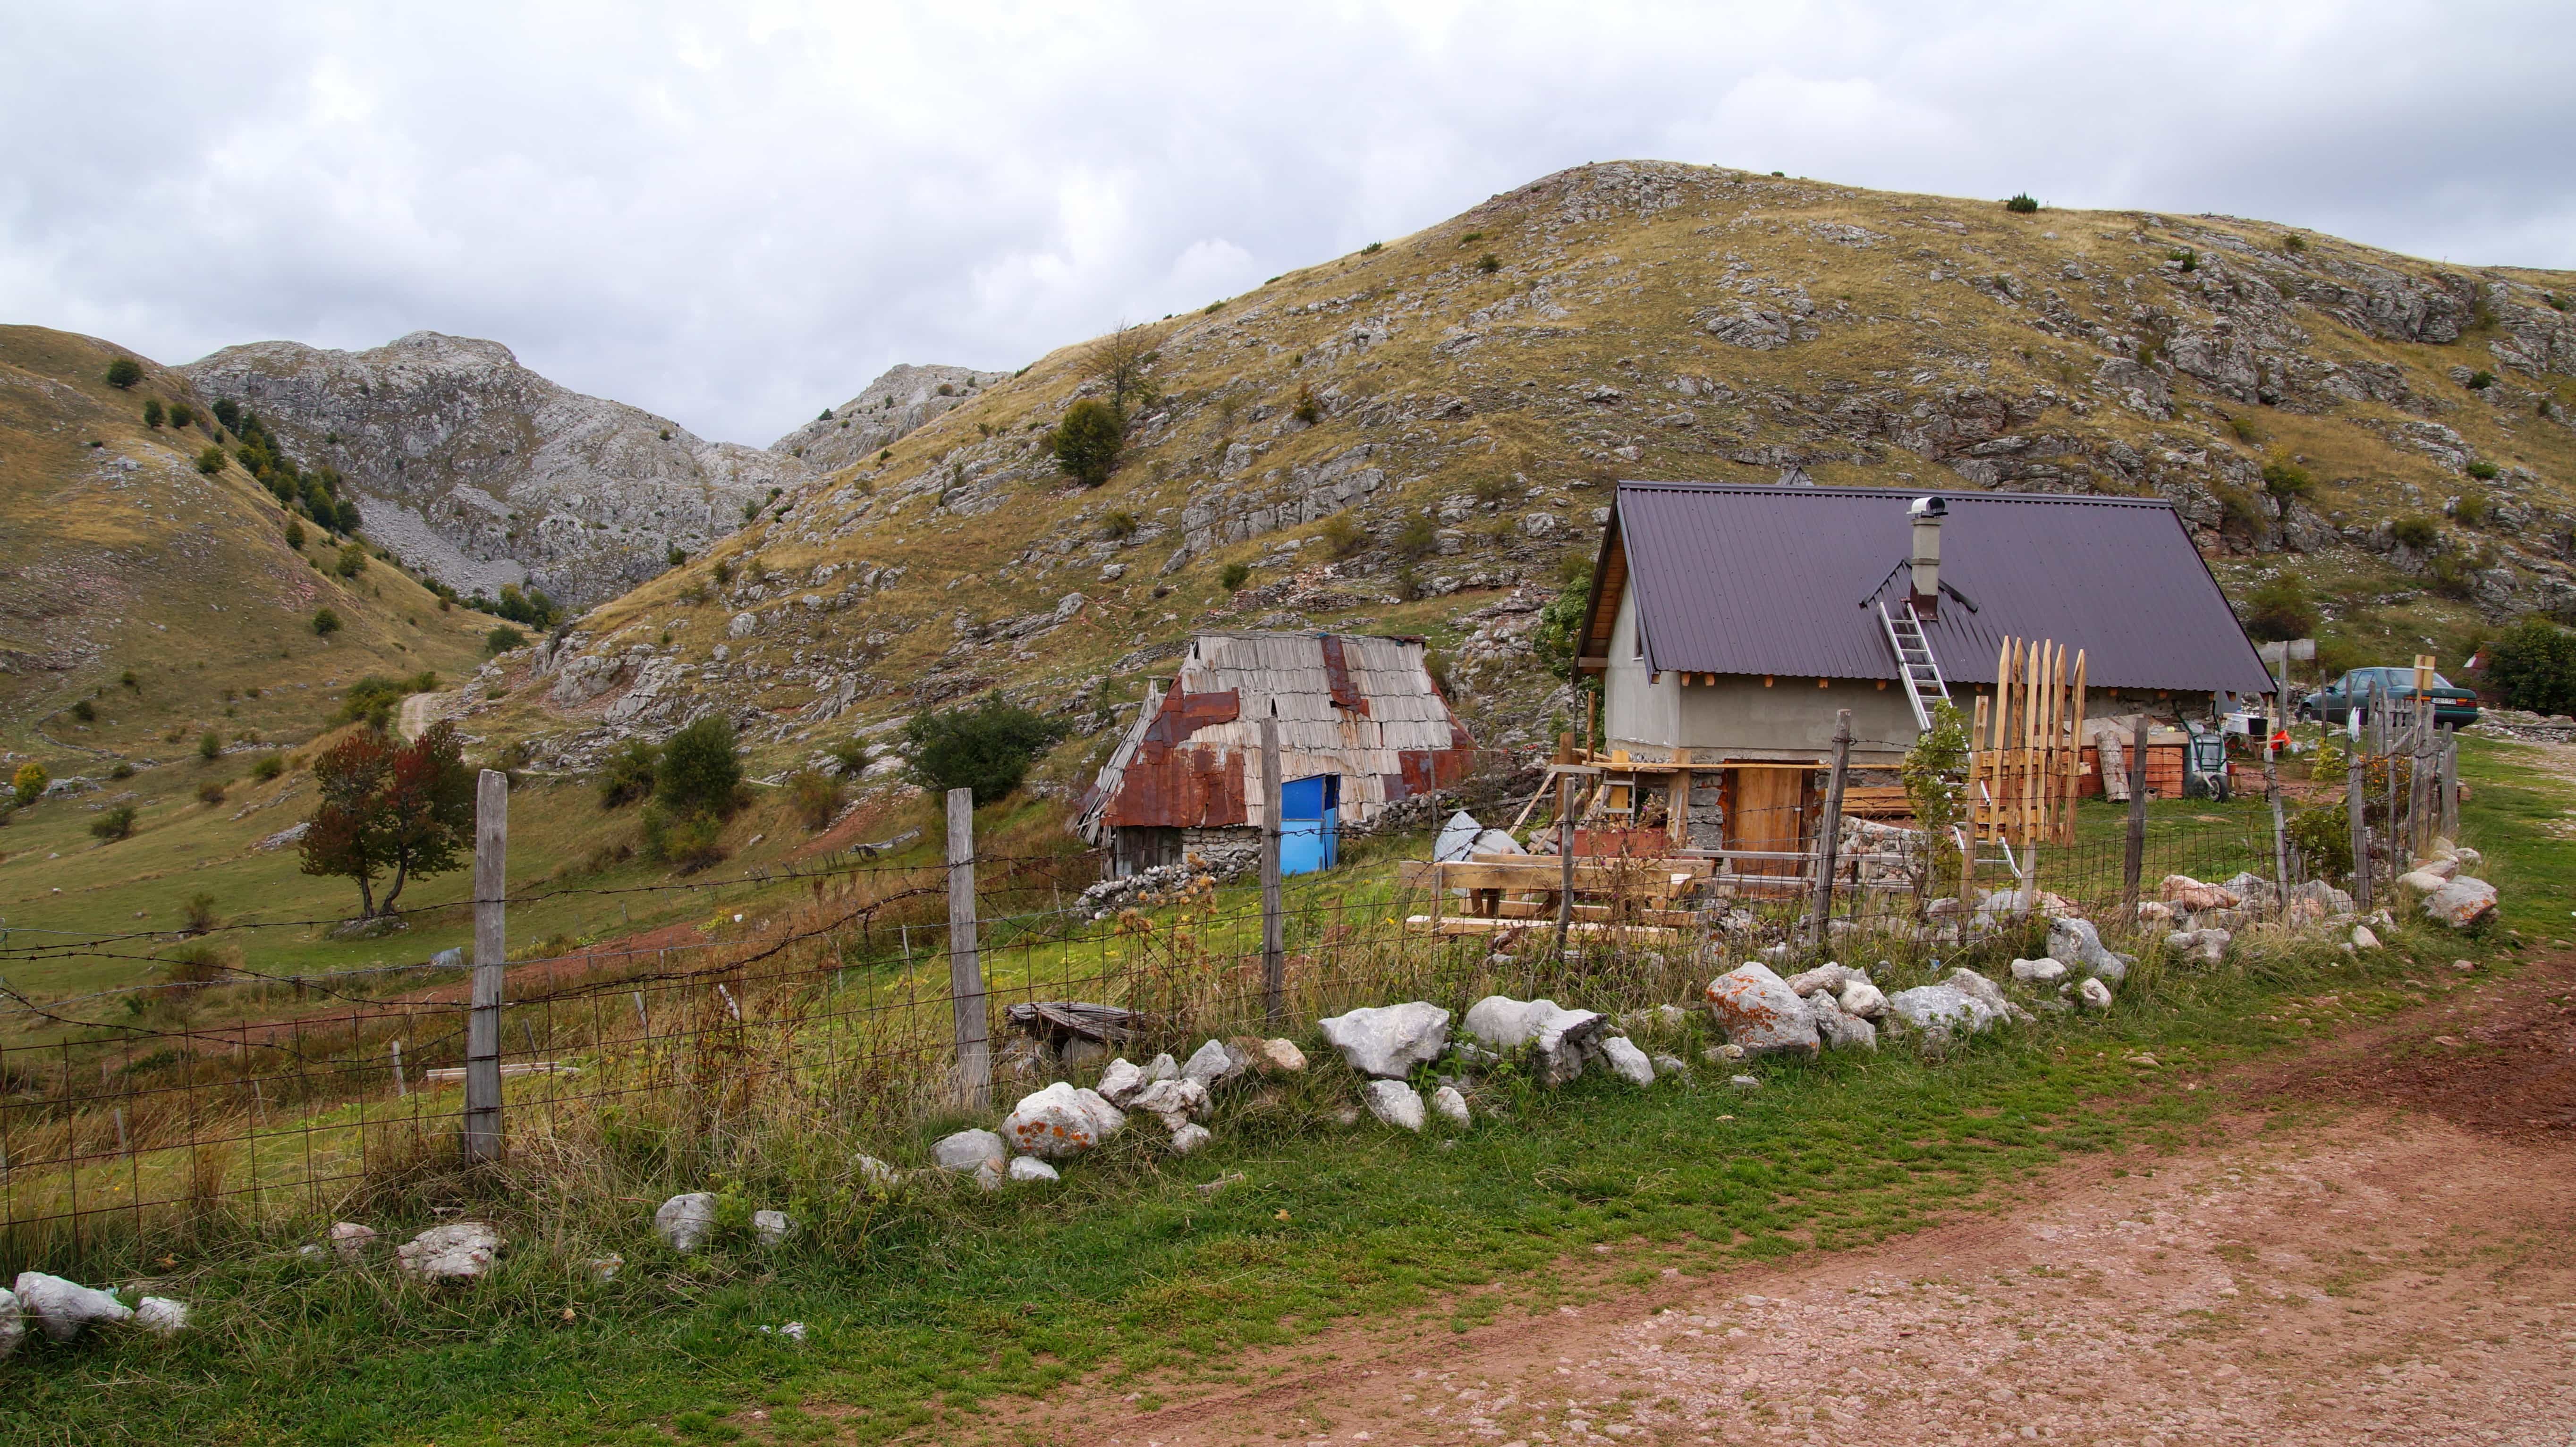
(932, 1310)
(1400, 438)
(119, 558)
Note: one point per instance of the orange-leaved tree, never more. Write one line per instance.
(390, 811)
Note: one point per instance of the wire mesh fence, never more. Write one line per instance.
(255, 1103)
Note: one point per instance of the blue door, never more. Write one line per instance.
(1309, 823)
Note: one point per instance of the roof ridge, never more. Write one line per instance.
(1971, 494)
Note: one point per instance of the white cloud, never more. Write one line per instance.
(735, 215)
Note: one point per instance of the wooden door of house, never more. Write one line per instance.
(1767, 811)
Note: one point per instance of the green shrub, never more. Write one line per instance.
(2323, 837)
(228, 414)
(2279, 609)
(1118, 526)
(675, 556)
(1419, 538)
(211, 460)
(115, 824)
(197, 913)
(2470, 510)
(85, 711)
(210, 746)
(295, 534)
(182, 415)
(27, 785)
(700, 772)
(267, 767)
(851, 755)
(2533, 666)
(1087, 442)
(152, 413)
(688, 843)
(503, 638)
(373, 699)
(2021, 205)
(351, 562)
(1309, 408)
(2189, 258)
(2294, 243)
(2481, 380)
(211, 792)
(1233, 576)
(2454, 576)
(2484, 471)
(2419, 533)
(2286, 480)
(325, 622)
(2244, 429)
(1343, 536)
(724, 572)
(1373, 248)
(124, 372)
(987, 747)
(628, 774)
(1558, 635)
(123, 770)
(1489, 263)
(816, 797)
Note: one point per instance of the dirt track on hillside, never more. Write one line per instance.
(2376, 1250)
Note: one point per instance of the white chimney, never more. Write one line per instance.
(1927, 513)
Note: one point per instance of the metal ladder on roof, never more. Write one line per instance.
(1914, 662)
(1924, 687)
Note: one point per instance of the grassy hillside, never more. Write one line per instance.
(118, 557)
(1397, 438)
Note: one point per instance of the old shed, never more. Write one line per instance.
(1362, 725)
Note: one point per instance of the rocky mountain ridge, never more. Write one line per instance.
(1420, 437)
(892, 407)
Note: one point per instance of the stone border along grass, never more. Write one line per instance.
(924, 1308)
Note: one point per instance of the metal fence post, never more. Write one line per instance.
(2133, 861)
(482, 1140)
(965, 964)
(1274, 959)
(1830, 836)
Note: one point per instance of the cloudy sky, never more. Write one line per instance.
(736, 215)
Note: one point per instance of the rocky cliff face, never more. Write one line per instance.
(887, 410)
(478, 472)
(1420, 438)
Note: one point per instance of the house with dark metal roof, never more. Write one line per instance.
(1730, 624)
(1361, 726)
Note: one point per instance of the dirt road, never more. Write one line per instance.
(2378, 1251)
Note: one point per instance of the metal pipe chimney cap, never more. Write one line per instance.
(1927, 507)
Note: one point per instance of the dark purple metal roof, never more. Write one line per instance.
(1786, 580)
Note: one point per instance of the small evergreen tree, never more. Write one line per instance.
(211, 460)
(124, 372)
(295, 535)
(325, 622)
(987, 748)
(701, 769)
(182, 415)
(152, 413)
(1087, 442)
(210, 746)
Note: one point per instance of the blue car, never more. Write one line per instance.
(2336, 702)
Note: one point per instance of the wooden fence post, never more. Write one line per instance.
(2450, 805)
(1830, 835)
(1274, 959)
(965, 964)
(2133, 860)
(1565, 858)
(483, 1023)
(2355, 776)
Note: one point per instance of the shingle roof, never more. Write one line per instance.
(1775, 580)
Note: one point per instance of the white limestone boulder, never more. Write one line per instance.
(772, 1227)
(161, 1315)
(2043, 971)
(1565, 1040)
(2094, 994)
(1452, 1106)
(1627, 1061)
(2077, 945)
(1760, 1013)
(1941, 1007)
(61, 1307)
(457, 1251)
(1395, 1103)
(1029, 1169)
(2461, 903)
(684, 1222)
(1061, 1120)
(970, 1150)
(1386, 1041)
(1863, 999)
(13, 1324)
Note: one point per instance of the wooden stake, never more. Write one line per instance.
(482, 1139)
(965, 964)
(1829, 840)
(1274, 960)
(2134, 859)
